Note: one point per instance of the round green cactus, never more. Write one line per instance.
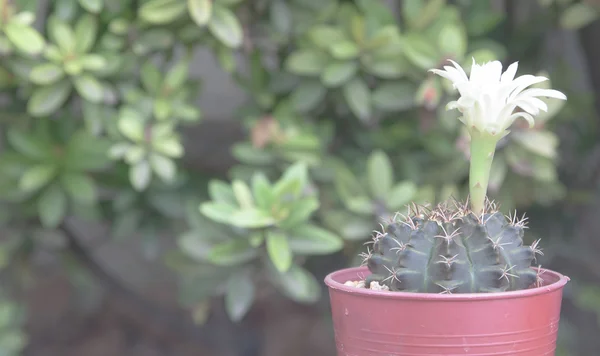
(450, 249)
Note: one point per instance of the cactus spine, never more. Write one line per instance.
(453, 250)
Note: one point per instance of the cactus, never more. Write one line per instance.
(450, 249)
(467, 248)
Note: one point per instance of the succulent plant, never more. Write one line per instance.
(471, 247)
(450, 249)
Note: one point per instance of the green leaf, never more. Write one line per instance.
(299, 285)
(360, 205)
(28, 145)
(45, 74)
(221, 192)
(325, 36)
(358, 98)
(80, 187)
(242, 194)
(218, 211)
(47, 99)
(162, 109)
(239, 296)
(308, 95)
(85, 152)
(483, 22)
(162, 11)
(420, 52)
(452, 41)
(62, 34)
(140, 175)
(52, 206)
(36, 177)
(544, 169)
(119, 26)
(232, 253)
(578, 15)
(338, 73)
(401, 194)
(163, 167)
(292, 182)
(200, 11)
(169, 147)
(155, 39)
(89, 88)
(543, 143)
(261, 190)
(94, 6)
(177, 75)
(93, 62)
(65, 9)
(226, 59)
(385, 39)
(150, 77)
(134, 154)
(346, 183)
(388, 68)
(86, 31)
(428, 13)
(251, 219)
(281, 16)
(25, 17)
(195, 244)
(394, 96)
(73, 67)
(131, 125)
(348, 225)
(246, 153)
(313, 240)
(225, 27)
(25, 38)
(381, 174)
(306, 62)
(301, 211)
(279, 251)
(344, 50)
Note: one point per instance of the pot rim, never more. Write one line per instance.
(559, 281)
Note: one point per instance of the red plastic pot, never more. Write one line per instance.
(380, 323)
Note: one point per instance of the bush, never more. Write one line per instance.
(344, 123)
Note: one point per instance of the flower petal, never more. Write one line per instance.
(528, 106)
(442, 73)
(523, 82)
(493, 71)
(548, 93)
(455, 75)
(524, 115)
(466, 102)
(536, 102)
(510, 72)
(460, 70)
(476, 72)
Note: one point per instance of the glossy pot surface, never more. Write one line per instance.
(381, 323)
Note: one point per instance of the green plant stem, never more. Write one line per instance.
(483, 146)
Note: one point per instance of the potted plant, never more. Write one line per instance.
(456, 279)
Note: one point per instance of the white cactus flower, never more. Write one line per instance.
(488, 98)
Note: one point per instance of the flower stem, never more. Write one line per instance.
(483, 146)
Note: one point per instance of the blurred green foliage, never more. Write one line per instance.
(344, 126)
